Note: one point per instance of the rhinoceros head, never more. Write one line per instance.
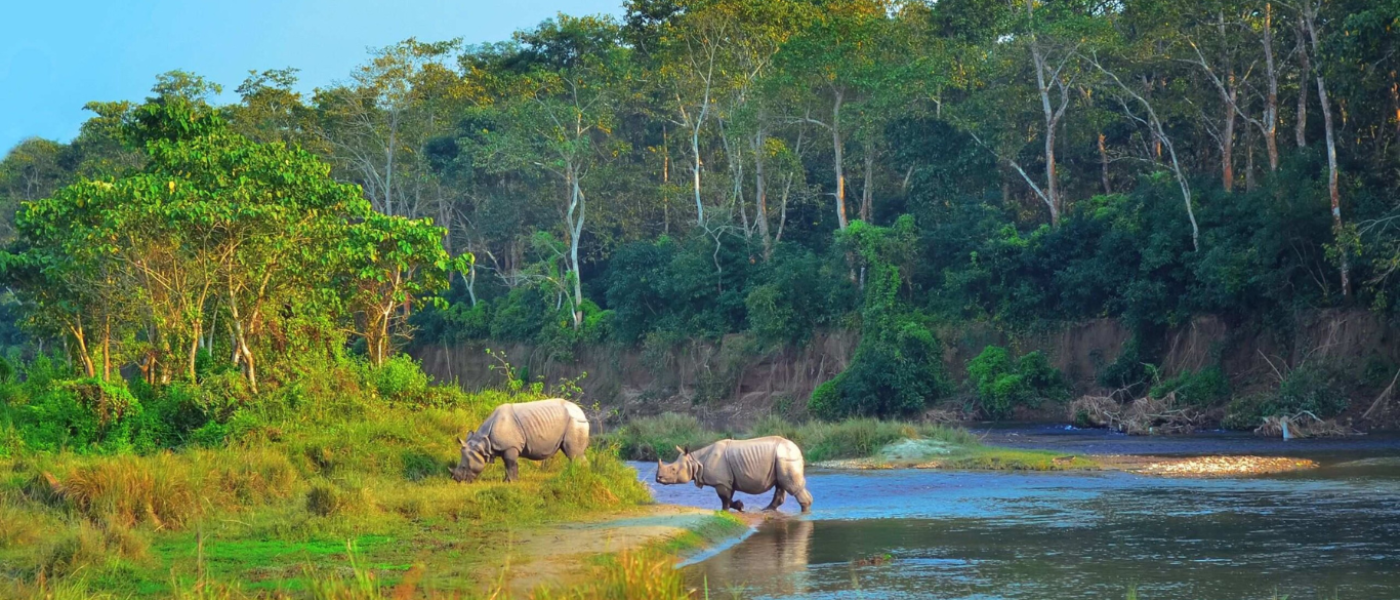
(474, 459)
(684, 470)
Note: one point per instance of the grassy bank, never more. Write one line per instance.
(311, 493)
(856, 442)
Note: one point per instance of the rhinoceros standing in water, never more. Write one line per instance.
(750, 466)
(533, 430)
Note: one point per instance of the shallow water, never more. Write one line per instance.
(1329, 532)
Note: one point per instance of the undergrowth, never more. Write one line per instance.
(347, 452)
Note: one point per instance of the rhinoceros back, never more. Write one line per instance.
(543, 425)
(753, 464)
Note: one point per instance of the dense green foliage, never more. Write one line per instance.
(1003, 384)
(1322, 390)
(898, 366)
(706, 167)
(140, 267)
(1202, 388)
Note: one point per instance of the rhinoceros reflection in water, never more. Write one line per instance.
(780, 546)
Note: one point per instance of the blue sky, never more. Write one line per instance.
(56, 55)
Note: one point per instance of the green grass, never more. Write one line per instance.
(720, 527)
(861, 442)
(271, 511)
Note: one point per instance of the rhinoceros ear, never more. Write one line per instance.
(462, 443)
(682, 451)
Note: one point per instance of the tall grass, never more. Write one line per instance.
(336, 455)
(649, 438)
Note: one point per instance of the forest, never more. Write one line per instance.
(698, 168)
(218, 308)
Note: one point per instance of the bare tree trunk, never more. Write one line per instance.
(1230, 94)
(866, 191)
(1249, 160)
(81, 338)
(1300, 132)
(665, 181)
(761, 193)
(576, 215)
(1333, 190)
(1155, 153)
(198, 332)
(1155, 124)
(1103, 165)
(1270, 129)
(1052, 193)
(695, 169)
(107, 348)
(837, 160)
(242, 352)
(1227, 141)
(1395, 105)
(389, 168)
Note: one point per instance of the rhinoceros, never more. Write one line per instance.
(534, 430)
(750, 466)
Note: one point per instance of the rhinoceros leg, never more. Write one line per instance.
(804, 498)
(726, 499)
(511, 457)
(778, 498)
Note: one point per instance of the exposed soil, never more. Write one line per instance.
(729, 383)
(560, 555)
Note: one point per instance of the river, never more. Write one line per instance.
(1331, 532)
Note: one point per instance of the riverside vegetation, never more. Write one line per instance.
(774, 168)
(859, 442)
(354, 453)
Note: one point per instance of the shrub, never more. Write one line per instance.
(419, 465)
(1002, 385)
(128, 490)
(88, 544)
(1317, 389)
(650, 438)
(325, 499)
(400, 379)
(81, 413)
(898, 365)
(1313, 388)
(603, 482)
(20, 528)
(1200, 388)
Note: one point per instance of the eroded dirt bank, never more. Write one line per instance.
(730, 382)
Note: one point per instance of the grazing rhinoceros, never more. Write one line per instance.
(750, 466)
(534, 430)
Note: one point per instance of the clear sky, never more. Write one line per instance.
(57, 55)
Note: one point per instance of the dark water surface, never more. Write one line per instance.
(1332, 532)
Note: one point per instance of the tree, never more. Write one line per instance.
(559, 121)
(140, 267)
(833, 61)
(1308, 12)
(376, 125)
